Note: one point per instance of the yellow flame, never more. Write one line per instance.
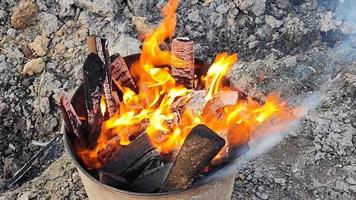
(216, 72)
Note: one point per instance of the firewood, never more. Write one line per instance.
(107, 85)
(122, 158)
(155, 175)
(109, 179)
(183, 61)
(199, 148)
(121, 73)
(71, 120)
(93, 77)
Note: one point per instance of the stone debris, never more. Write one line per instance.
(24, 15)
(257, 7)
(34, 66)
(140, 25)
(327, 22)
(39, 46)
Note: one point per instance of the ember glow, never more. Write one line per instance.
(151, 108)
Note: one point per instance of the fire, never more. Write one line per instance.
(150, 109)
(217, 71)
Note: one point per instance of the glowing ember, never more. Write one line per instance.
(151, 108)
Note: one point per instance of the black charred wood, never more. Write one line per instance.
(112, 180)
(136, 169)
(93, 77)
(122, 158)
(152, 178)
(199, 148)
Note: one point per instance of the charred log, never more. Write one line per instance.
(109, 179)
(122, 158)
(121, 73)
(191, 159)
(93, 77)
(71, 119)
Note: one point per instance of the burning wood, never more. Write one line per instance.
(93, 76)
(183, 61)
(71, 119)
(122, 158)
(160, 109)
(191, 159)
(121, 73)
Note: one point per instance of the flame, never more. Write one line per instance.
(102, 105)
(150, 109)
(217, 71)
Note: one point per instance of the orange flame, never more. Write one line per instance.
(151, 108)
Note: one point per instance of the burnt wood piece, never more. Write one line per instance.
(152, 178)
(199, 148)
(93, 77)
(121, 73)
(136, 169)
(107, 84)
(112, 145)
(183, 61)
(71, 119)
(122, 158)
(114, 181)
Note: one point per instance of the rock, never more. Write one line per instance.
(84, 18)
(66, 7)
(257, 7)
(264, 196)
(195, 16)
(326, 22)
(39, 45)
(351, 181)
(281, 181)
(10, 166)
(295, 29)
(140, 25)
(12, 33)
(252, 45)
(105, 8)
(34, 66)
(126, 46)
(42, 105)
(26, 196)
(290, 61)
(223, 8)
(3, 17)
(49, 23)
(24, 15)
(3, 107)
(273, 22)
(140, 7)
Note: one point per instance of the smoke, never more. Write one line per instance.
(327, 66)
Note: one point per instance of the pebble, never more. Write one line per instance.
(257, 7)
(24, 15)
(39, 45)
(273, 22)
(34, 66)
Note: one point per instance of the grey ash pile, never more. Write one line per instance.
(301, 47)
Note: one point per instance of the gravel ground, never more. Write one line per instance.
(304, 48)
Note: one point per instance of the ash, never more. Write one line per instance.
(301, 48)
